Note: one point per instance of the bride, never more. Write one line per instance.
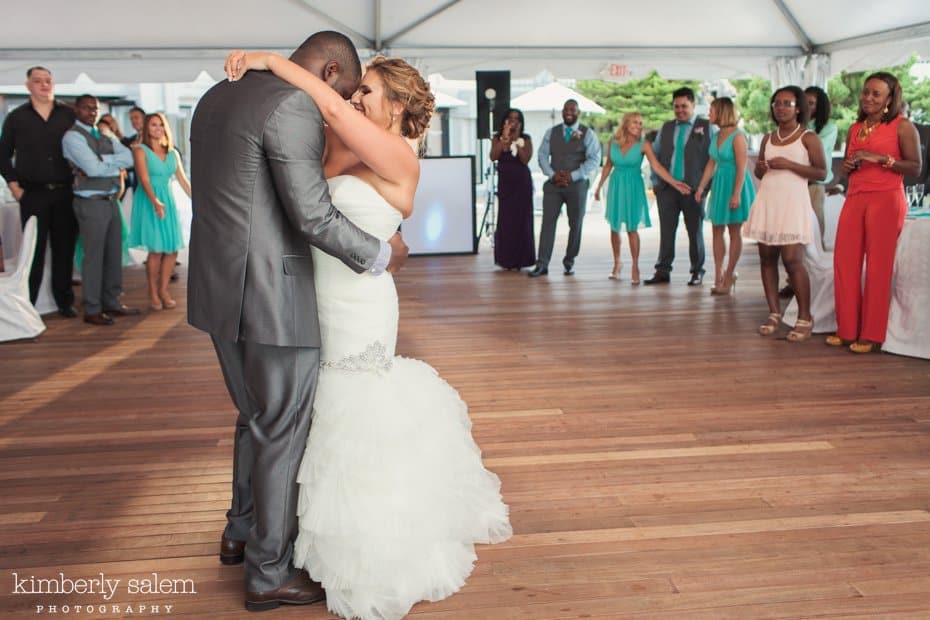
(393, 495)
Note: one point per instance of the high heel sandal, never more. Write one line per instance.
(615, 274)
(771, 324)
(168, 303)
(726, 290)
(801, 331)
(833, 340)
(865, 347)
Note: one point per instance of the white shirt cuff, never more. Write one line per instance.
(381, 263)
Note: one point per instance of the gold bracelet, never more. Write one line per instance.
(889, 161)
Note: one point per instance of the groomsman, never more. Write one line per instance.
(569, 153)
(682, 147)
(39, 178)
(98, 161)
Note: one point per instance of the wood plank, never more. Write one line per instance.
(660, 459)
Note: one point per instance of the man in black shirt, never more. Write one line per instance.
(40, 179)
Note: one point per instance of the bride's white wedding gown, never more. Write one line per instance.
(393, 494)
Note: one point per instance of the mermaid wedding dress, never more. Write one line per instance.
(393, 495)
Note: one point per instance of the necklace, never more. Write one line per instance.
(783, 139)
(866, 130)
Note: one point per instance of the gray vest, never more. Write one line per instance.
(100, 147)
(697, 151)
(566, 155)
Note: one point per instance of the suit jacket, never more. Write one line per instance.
(259, 202)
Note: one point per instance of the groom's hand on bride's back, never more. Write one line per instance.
(399, 252)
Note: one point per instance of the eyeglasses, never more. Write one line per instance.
(784, 104)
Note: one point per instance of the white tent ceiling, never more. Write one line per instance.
(174, 40)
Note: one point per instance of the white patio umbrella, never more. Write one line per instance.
(551, 98)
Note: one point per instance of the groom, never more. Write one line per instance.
(260, 201)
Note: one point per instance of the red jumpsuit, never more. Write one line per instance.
(869, 225)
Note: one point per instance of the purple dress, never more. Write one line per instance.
(513, 238)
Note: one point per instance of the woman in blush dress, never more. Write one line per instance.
(626, 204)
(392, 492)
(882, 148)
(155, 226)
(513, 236)
(732, 191)
(780, 218)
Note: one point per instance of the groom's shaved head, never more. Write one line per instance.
(326, 46)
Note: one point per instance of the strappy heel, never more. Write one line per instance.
(833, 340)
(771, 324)
(801, 331)
(726, 290)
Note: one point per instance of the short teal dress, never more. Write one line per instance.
(718, 203)
(626, 193)
(148, 231)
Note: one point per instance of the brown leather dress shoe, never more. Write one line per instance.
(231, 551)
(98, 319)
(122, 310)
(301, 590)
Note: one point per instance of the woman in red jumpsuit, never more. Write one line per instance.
(882, 148)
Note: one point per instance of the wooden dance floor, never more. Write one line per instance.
(660, 459)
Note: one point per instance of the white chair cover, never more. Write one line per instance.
(819, 265)
(18, 317)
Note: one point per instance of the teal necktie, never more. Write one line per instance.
(678, 164)
(95, 132)
(568, 133)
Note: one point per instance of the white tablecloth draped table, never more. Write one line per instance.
(909, 316)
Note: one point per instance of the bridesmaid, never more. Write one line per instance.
(513, 238)
(732, 193)
(626, 203)
(882, 148)
(155, 225)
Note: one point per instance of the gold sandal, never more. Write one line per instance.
(801, 331)
(833, 340)
(771, 324)
(865, 347)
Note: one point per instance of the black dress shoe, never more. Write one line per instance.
(538, 271)
(231, 551)
(696, 279)
(301, 590)
(786, 292)
(98, 319)
(68, 313)
(657, 279)
(569, 271)
(122, 310)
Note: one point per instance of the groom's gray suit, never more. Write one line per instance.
(260, 201)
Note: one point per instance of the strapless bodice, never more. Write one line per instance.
(357, 312)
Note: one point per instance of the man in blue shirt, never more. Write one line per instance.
(98, 161)
(568, 155)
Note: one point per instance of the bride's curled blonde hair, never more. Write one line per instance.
(405, 85)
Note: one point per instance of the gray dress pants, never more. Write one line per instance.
(273, 389)
(574, 198)
(671, 205)
(102, 266)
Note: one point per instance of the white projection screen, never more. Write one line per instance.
(443, 220)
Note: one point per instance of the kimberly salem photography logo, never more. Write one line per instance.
(105, 589)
